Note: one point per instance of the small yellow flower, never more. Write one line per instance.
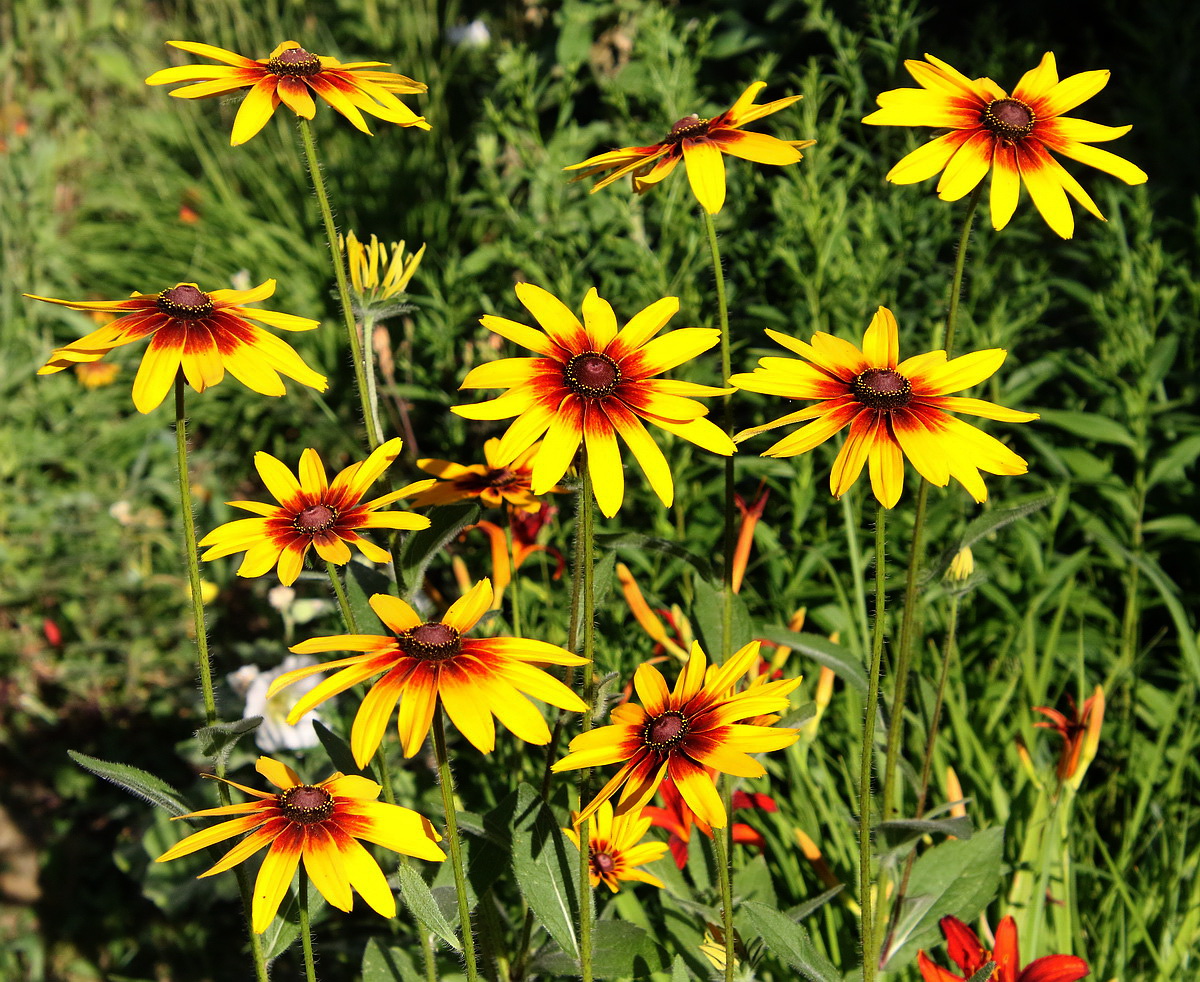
(616, 849)
(962, 565)
(374, 276)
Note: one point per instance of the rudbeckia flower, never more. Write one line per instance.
(292, 76)
(313, 513)
(970, 956)
(700, 143)
(432, 663)
(375, 278)
(590, 382)
(205, 334)
(319, 823)
(1010, 135)
(616, 849)
(494, 484)
(685, 733)
(895, 409)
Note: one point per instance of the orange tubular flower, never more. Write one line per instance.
(700, 143)
(616, 849)
(895, 409)
(492, 483)
(1010, 135)
(320, 823)
(970, 956)
(684, 733)
(203, 333)
(591, 382)
(313, 513)
(292, 76)
(431, 663)
(1080, 733)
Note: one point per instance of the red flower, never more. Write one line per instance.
(970, 956)
(677, 818)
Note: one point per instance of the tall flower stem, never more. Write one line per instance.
(587, 518)
(870, 953)
(514, 596)
(192, 556)
(727, 421)
(916, 557)
(374, 437)
(724, 856)
(446, 780)
(343, 601)
(310, 967)
(371, 403)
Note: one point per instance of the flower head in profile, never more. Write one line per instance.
(685, 734)
(313, 513)
(1013, 136)
(895, 409)
(321, 824)
(616, 849)
(375, 278)
(432, 664)
(492, 483)
(699, 143)
(591, 382)
(292, 76)
(204, 334)
(970, 956)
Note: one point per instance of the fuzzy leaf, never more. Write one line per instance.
(421, 547)
(789, 942)
(419, 899)
(382, 964)
(137, 782)
(218, 740)
(546, 866)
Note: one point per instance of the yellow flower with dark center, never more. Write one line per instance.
(1010, 135)
(430, 663)
(492, 483)
(616, 849)
(292, 76)
(374, 277)
(895, 409)
(590, 382)
(204, 334)
(699, 143)
(321, 824)
(313, 513)
(683, 733)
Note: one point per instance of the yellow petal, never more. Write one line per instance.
(706, 173)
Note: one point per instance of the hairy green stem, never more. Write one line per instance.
(728, 538)
(310, 966)
(446, 780)
(867, 755)
(192, 556)
(588, 513)
(371, 403)
(514, 596)
(343, 600)
(722, 841)
(374, 437)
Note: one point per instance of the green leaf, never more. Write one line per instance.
(284, 929)
(1172, 464)
(546, 866)
(1090, 426)
(421, 547)
(958, 877)
(419, 899)
(984, 973)
(362, 582)
(619, 950)
(645, 543)
(137, 782)
(707, 610)
(789, 942)
(382, 964)
(823, 651)
(679, 972)
(218, 740)
(901, 831)
(339, 751)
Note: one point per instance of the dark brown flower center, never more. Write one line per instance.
(315, 518)
(185, 302)
(1008, 118)
(603, 862)
(665, 731)
(689, 126)
(306, 804)
(592, 375)
(500, 477)
(432, 641)
(295, 62)
(882, 388)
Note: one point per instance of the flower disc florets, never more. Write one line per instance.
(306, 804)
(665, 731)
(185, 302)
(295, 62)
(882, 388)
(315, 518)
(603, 862)
(432, 641)
(592, 375)
(1009, 118)
(689, 126)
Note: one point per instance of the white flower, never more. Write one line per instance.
(275, 733)
(472, 35)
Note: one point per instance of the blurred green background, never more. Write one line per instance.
(108, 186)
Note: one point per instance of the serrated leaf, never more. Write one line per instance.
(708, 613)
(137, 782)
(837, 659)
(421, 547)
(391, 964)
(218, 740)
(619, 950)
(546, 867)
(419, 899)
(789, 942)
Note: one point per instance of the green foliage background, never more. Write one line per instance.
(1102, 333)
